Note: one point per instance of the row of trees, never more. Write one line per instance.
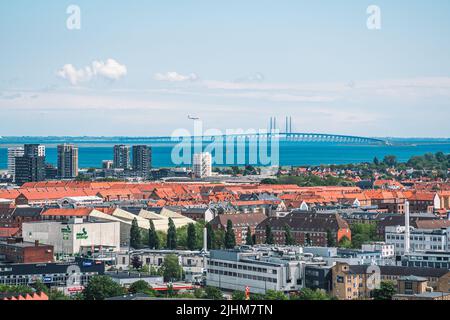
(191, 237)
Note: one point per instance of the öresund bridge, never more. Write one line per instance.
(291, 136)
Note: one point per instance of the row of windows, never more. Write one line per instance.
(242, 275)
(416, 238)
(239, 267)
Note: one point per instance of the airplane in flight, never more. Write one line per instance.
(193, 118)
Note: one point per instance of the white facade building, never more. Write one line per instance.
(14, 152)
(74, 237)
(387, 250)
(237, 270)
(420, 239)
(202, 165)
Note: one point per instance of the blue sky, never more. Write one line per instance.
(140, 67)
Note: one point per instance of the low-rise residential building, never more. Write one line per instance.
(241, 223)
(307, 228)
(350, 282)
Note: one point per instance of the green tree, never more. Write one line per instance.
(376, 161)
(39, 286)
(55, 294)
(345, 242)
(171, 235)
(135, 235)
(390, 160)
(385, 292)
(191, 237)
(275, 295)
(210, 237)
(248, 237)
(136, 262)
(288, 238)
(269, 235)
(230, 238)
(308, 241)
(310, 294)
(331, 241)
(219, 237)
(172, 270)
(102, 287)
(213, 293)
(238, 295)
(153, 239)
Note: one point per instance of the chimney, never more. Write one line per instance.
(407, 241)
(36, 243)
(205, 239)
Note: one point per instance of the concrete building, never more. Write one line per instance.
(387, 250)
(419, 239)
(259, 270)
(126, 279)
(142, 160)
(74, 237)
(192, 262)
(67, 161)
(108, 164)
(31, 166)
(14, 152)
(71, 277)
(202, 165)
(426, 259)
(121, 157)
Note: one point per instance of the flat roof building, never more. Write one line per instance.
(75, 236)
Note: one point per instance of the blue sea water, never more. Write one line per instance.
(92, 153)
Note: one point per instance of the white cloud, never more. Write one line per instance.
(111, 70)
(173, 76)
(73, 75)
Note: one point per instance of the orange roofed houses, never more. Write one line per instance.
(15, 296)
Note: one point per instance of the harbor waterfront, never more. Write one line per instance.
(91, 153)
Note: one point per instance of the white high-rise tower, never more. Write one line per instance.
(12, 154)
(202, 164)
